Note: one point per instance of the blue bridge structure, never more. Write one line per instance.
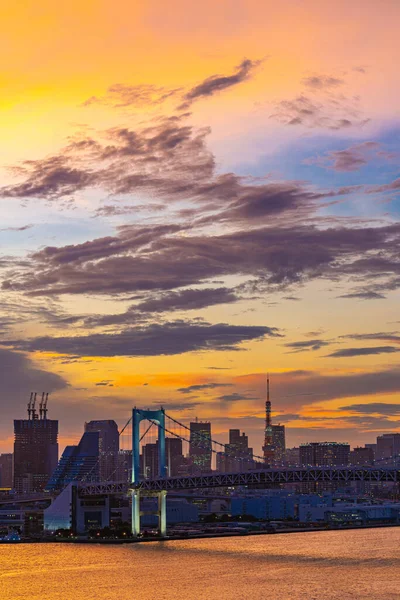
(258, 474)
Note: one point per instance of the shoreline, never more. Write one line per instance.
(201, 535)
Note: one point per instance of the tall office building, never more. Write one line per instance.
(35, 448)
(387, 446)
(324, 454)
(108, 447)
(360, 457)
(200, 448)
(279, 443)
(238, 456)
(6, 470)
(77, 463)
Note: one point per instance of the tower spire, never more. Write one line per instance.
(268, 447)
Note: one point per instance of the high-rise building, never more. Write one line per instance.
(35, 448)
(200, 449)
(279, 443)
(108, 447)
(77, 463)
(6, 470)
(387, 446)
(324, 454)
(149, 461)
(360, 457)
(237, 455)
(173, 456)
(292, 457)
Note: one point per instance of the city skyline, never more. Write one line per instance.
(191, 201)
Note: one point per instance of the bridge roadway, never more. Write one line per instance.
(249, 478)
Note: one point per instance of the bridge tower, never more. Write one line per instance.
(157, 417)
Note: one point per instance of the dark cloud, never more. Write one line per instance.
(329, 112)
(235, 397)
(348, 352)
(115, 210)
(50, 178)
(218, 83)
(190, 299)
(153, 340)
(350, 159)
(120, 95)
(18, 377)
(202, 386)
(389, 336)
(363, 295)
(318, 82)
(294, 389)
(304, 345)
(23, 228)
(156, 258)
(381, 408)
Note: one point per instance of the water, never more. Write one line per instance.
(311, 566)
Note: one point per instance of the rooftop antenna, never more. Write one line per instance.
(45, 406)
(29, 406)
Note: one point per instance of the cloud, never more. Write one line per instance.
(153, 340)
(18, 377)
(235, 397)
(22, 228)
(326, 110)
(191, 299)
(318, 82)
(351, 159)
(294, 389)
(202, 386)
(348, 352)
(158, 258)
(116, 210)
(218, 83)
(381, 408)
(390, 336)
(121, 95)
(363, 295)
(302, 346)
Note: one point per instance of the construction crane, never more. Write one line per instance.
(41, 406)
(29, 406)
(45, 406)
(34, 415)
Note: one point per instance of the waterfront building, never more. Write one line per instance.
(35, 449)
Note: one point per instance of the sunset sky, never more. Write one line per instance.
(194, 194)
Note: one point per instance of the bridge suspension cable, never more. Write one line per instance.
(211, 441)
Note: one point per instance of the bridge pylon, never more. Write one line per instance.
(157, 417)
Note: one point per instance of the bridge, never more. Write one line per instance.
(251, 471)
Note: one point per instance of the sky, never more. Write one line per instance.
(193, 196)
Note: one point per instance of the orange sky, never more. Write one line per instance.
(322, 84)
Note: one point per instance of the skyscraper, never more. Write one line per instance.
(200, 449)
(108, 447)
(77, 463)
(279, 443)
(35, 448)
